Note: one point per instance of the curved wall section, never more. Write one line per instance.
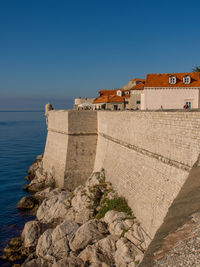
(147, 156)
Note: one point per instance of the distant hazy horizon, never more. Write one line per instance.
(33, 104)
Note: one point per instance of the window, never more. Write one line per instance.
(119, 93)
(138, 102)
(186, 79)
(172, 80)
(127, 93)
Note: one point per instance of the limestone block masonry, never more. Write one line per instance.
(70, 147)
(147, 156)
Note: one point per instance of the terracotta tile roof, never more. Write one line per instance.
(116, 98)
(139, 86)
(162, 80)
(109, 99)
(110, 96)
(108, 92)
(101, 99)
(138, 80)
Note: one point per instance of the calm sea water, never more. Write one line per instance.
(22, 138)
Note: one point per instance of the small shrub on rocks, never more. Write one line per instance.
(118, 204)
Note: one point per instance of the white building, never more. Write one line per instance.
(171, 91)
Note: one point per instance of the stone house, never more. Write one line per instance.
(127, 97)
(135, 96)
(171, 91)
(111, 99)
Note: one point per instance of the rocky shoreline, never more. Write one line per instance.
(90, 226)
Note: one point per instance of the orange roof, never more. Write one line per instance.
(109, 99)
(138, 80)
(162, 80)
(139, 86)
(101, 99)
(116, 98)
(108, 92)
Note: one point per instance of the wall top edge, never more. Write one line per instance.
(73, 111)
(182, 111)
(128, 111)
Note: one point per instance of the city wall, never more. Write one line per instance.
(70, 146)
(146, 155)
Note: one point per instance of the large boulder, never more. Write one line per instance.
(39, 179)
(44, 193)
(31, 233)
(28, 203)
(118, 222)
(44, 247)
(53, 245)
(89, 233)
(101, 252)
(82, 205)
(127, 254)
(53, 207)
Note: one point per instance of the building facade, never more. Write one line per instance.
(135, 96)
(111, 100)
(171, 91)
(83, 103)
(127, 97)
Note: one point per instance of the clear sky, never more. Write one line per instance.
(59, 49)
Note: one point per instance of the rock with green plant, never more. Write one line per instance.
(90, 226)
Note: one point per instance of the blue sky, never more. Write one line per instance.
(60, 49)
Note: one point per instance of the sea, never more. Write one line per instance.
(22, 138)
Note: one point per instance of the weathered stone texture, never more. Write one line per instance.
(71, 146)
(147, 156)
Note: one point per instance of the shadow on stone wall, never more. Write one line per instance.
(178, 223)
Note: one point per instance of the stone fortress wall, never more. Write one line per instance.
(146, 155)
(70, 146)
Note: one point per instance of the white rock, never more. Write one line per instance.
(53, 207)
(44, 193)
(101, 252)
(126, 253)
(113, 215)
(54, 244)
(89, 233)
(60, 238)
(31, 233)
(82, 205)
(116, 222)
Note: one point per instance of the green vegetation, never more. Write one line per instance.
(196, 69)
(118, 204)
